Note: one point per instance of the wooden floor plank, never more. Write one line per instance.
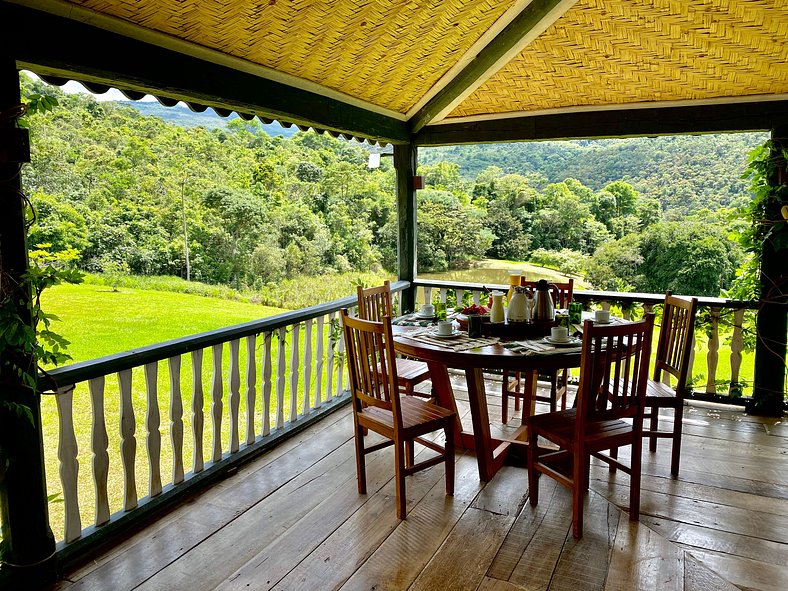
(534, 570)
(583, 563)
(403, 555)
(642, 560)
(293, 519)
(743, 572)
(459, 564)
(702, 538)
(335, 560)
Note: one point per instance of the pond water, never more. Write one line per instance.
(492, 272)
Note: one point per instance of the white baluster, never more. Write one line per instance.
(198, 416)
(176, 418)
(427, 295)
(341, 365)
(331, 348)
(234, 388)
(99, 442)
(605, 304)
(477, 296)
(152, 422)
(128, 442)
(712, 356)
(281, 366)
(294, 367)
(460, 294)
(443, 294)
(319, 354)
(217, 393)
(307, 366)
(737, 346)
(266, 383)
(251, 386)
(69, 466)
(648, 308)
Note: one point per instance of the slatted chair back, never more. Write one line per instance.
(562, 293)
(372, 370)
(375, 302)
(614, 372)
(675, 338)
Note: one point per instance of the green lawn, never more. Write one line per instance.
(491, 272)
(99, 321)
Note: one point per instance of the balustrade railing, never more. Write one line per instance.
(246, 387)
(714, 313)
(258, 382)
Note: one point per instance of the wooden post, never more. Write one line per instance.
(405, 165)
(28, 544)
(772, 324)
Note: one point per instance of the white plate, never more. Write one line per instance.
(455, 333)
(601, 322)
(572, 342)
(421, 316)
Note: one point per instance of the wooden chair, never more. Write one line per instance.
(609, 414)
(378, 407)
(373, 304)
(562, 296)
(674, 353)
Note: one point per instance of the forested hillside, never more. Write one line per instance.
(685, 173)
(120, 192)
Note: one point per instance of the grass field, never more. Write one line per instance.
(491, 272)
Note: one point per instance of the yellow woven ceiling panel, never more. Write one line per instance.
(386, 52)
(617, 52)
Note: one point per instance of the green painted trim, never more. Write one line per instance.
(508, 38)
(53, 45)
(94, 539)
(720, 118)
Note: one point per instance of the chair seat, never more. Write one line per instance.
(412, 370)
(656, 389)
(416, 413)
(598, 434)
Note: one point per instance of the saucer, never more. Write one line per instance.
(454, 333)
(603, 321)
(571, 342)
(421, 316)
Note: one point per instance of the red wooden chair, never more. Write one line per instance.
(562, 296)
(378, 407)
(608, 415)
(674, 352)
(373, 304)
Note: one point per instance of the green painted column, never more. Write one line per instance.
(405, 165)
(27, 548)
(772, 324)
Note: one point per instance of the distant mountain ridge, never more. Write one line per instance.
(687, 173)
(181, 115)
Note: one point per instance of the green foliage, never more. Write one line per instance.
(766, 222)
(26, 334)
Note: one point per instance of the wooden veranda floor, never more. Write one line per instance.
(294, 520)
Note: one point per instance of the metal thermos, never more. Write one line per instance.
(544, 308)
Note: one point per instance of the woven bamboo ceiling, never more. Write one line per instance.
(431, 62)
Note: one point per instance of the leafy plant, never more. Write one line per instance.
(766, 172)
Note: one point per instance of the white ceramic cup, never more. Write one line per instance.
(559, 333)
(428, 310)
(445, 327)
(602, 315)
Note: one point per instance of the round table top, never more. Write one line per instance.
(488, 357)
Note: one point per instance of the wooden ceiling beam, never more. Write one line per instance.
(53, 45)
(621, 123)
(534, 19)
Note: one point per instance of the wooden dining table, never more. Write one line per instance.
(491, 452)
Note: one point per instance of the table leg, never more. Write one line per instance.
(444, 396)
(481, 424)
(529, 394)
